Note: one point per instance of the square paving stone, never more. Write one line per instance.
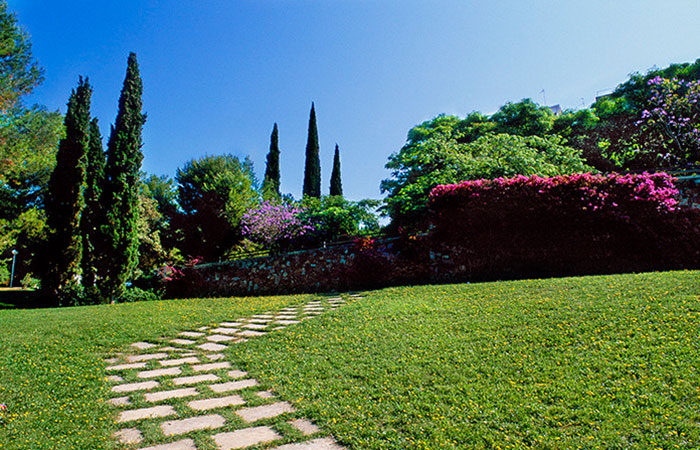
(212, 347)
(233, 385)
(237, 373)
(183, 426)
(170, 371)
(245, 438)
(221, 330)
(129, 436)
(146, 357)
(220, 338)
(183, 341)
(179, 361)
(130, 387)
(146, 413)
(231, 324)
(195, 379)
(255, 326)
(184, 444)
(175, 393)
(211, 366)
(306, 427)
(314, 444)
(218, 402)
(192, 334)
(139, 365)
(251, 333)
(120, 401)
(143, 345)
(264, 412)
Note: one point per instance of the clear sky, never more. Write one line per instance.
(218, 73)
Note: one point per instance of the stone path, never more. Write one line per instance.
(182, 394)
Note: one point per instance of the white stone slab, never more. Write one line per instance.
(221, 330)
(314, 444)
(146, 413)
(261, 321)
(287, 322)
(237, 373)
(195, 379)
(129, 436)
(120, 401)
(139, 365)
(192, 334)
(211, 366)
(265, 394)
(111, 360)
(179, 361)
(246, 437)
(170, 371)
(143, 345)
(146, 357)
(233, 385)
(306, 427)
(264, 411)
(114, 378)
(130, 387)
(231, 324)
(263, 316)
(218, 402)
(255, 326)
(183, 426)
(214, 356)
(182, 341)
(184, 444)
(212, 347)
(220, 338)
(175, 393)
(251, 333)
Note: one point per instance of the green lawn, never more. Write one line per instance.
(593, 362)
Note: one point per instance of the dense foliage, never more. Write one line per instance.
(312, 166)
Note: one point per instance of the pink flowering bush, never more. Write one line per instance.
(273, 224)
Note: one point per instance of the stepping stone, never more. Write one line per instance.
(306, 427)
(286, 316)
(202, 328)
(183, 341)
(195, 379)
(129, 436)
(175, 393)
(237, 373)
(140, 365)
(211, 347)
(146, 413)
(314, 444)
(255, 326)
(185, 444)
(313, 313)
(183, 426)
(211, 366)
(175, 349)
(263, 316)
(192, 334)
(264, 412)
(265, 395)
(231, 324)
(245, 438)
(233, 385)
(143, 345)
(279, 328)
(215, 356)
(111, 360)
(178, 362)
(224, 330)
(147, 357)
(287, 322)
(251, 333)
(130, 387)
(114, 379)
(159, 372)
(261, 321)
(213, 403)
(220, 338)
(335, 299)
(120, 401)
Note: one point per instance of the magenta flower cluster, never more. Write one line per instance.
(271, 223)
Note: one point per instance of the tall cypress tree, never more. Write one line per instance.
(336, 184)
(65, 201)
(312, 167)
(271, 182)
(92, 214)
(120, 195)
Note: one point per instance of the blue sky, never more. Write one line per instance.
(218, 73)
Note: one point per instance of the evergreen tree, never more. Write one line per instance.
(336, 184)
(312, 168)
(121, 188)
(92, 215)
(271, 182)
(65, 202)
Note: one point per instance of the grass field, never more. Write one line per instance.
(593, 362)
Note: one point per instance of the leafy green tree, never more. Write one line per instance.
(334, 218)
(525, 118)
(312, 167)
(120, 196)
(336, 183)
(271, 182)
(19, 73)
(214, 192)
(93, 213)
(65, 201)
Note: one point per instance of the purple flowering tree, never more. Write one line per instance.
(671, 122)
(273, 225)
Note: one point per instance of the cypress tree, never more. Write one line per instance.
(271, 182)
(312, 167)
(65, 201)
(92, 215)
(120, 195)
(336, 184)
